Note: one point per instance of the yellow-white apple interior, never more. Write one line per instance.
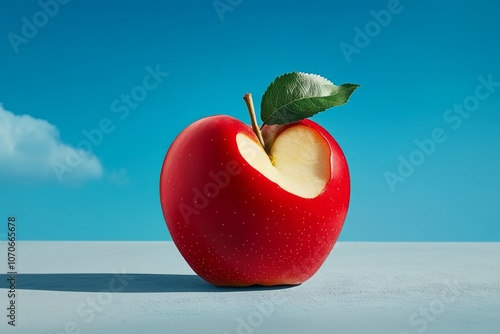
(299, 160)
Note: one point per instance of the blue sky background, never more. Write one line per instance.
(66, 77)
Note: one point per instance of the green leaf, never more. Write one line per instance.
(295, 96)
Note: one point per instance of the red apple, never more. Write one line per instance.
(242, 216)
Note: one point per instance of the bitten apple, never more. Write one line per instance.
(259, 205)
(242, 216)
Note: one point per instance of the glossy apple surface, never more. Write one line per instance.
(227, 213)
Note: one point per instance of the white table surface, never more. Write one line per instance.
(400, 288)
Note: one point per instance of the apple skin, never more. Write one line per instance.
(245, 229)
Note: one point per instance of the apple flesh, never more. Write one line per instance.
(242, 216)
(298, 161)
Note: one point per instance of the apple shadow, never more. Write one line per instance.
(122, 283)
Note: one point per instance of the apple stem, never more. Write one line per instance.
(251, 110)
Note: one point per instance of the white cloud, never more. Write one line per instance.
(31, 148)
